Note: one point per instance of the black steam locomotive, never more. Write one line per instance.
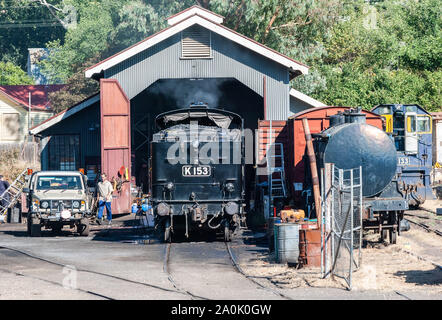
(197, 180)
(351, 143)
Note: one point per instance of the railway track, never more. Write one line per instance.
(421, 224)
(235, 265)
(251, 279)
(96, 294)
(170, 277)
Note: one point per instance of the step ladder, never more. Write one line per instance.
(12, 195)
(275, 171)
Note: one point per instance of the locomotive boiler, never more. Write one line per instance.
(197, 179)
(349, 143)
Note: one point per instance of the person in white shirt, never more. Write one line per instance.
(105, 190)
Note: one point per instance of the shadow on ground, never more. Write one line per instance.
(422, 277)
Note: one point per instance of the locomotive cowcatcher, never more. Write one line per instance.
(197, 178)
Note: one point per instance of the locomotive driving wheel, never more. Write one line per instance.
(227, 232)
(167, 231)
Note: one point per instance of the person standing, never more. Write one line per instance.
(4, 185)
(105, 190)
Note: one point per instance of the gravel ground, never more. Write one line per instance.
(203, 268)
(385, 268)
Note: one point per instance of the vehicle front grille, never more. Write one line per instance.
(57, 204)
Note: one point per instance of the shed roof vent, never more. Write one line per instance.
(195, 43)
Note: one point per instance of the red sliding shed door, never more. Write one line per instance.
(115, 139)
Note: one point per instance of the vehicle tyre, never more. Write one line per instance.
(35, 227)
(83, 227)
(167, 231)
(28, 224)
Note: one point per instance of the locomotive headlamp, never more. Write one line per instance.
(231, 208)
(229, 187)
(76, 204)
(163, 209)
(169, 186)
(45, 204)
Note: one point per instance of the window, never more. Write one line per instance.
(411, 123)
(423, 124)
(10, 126)
(59, 182)
(195, 43)
(64, 152)
(383, 110)
(411, 108)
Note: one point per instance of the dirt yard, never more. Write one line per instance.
(413, 264)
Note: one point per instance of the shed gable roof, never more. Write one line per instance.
(200, 16)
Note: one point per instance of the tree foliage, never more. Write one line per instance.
(26, 24)
(11, 74)
(360, 54)
(389, 52)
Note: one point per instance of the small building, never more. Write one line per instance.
(195, 59)
(22, 107)
(36, 56)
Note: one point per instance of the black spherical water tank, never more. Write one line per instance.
(358, 144)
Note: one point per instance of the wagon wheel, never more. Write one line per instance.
(384, 234)
(393, 236)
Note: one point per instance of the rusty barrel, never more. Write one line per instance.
(287, 242)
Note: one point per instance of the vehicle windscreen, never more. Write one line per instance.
(59, 183)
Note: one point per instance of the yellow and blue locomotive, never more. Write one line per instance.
(411, 127)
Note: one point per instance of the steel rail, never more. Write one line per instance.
(30, 255)
(167, 271)
(424, 226)
(250, 278)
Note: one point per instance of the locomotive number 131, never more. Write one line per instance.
(196, 171)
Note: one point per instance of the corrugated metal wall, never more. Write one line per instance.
(230, 60)
(297, 105)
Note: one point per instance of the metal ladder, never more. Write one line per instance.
(276, 177)
(9, 198)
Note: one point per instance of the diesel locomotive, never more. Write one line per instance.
(411, 127)
(197, 179)
(349, 143)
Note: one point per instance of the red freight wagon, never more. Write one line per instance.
(318, 119)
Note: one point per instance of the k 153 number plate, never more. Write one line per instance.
(196, 171)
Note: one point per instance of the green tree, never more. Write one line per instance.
(396, 59)
(26, 24)
(11, 74)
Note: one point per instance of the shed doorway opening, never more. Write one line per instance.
(170, 94)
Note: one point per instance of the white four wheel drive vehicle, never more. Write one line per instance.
(55, 199)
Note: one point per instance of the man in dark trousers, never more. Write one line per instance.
(105, 190)
(4, 185)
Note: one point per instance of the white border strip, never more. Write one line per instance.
(307, 99)
(206, 24)
(195, 10)
(65, 114)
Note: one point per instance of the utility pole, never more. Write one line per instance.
(29, 114)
